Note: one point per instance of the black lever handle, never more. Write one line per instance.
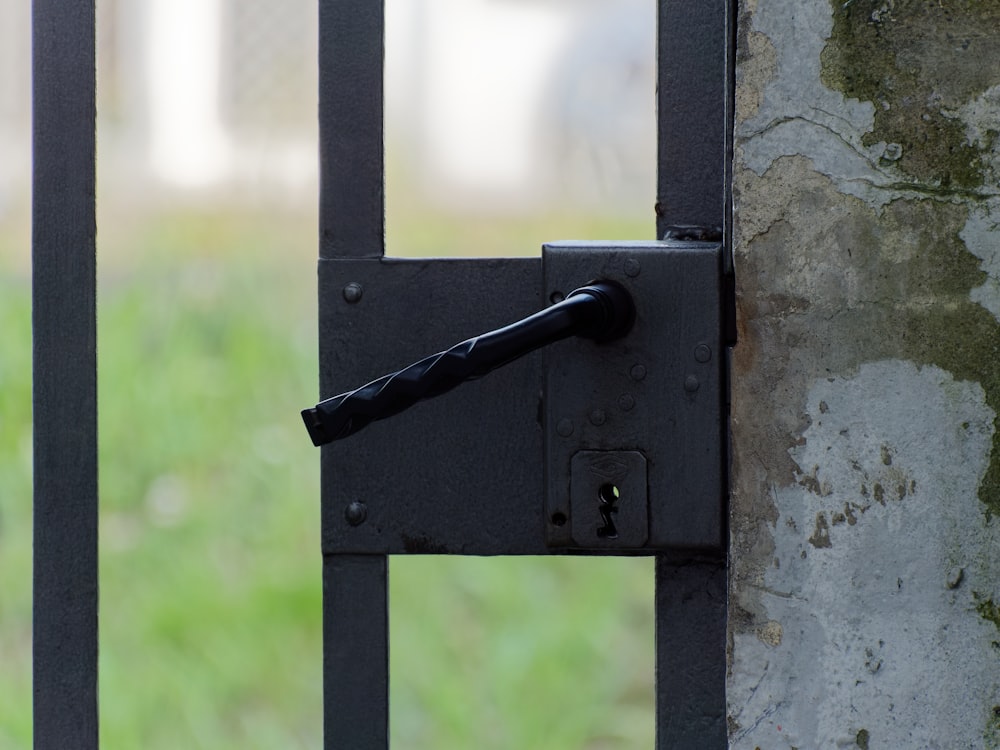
(601, 311)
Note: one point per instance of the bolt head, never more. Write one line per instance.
(353, 292)
(356, 513)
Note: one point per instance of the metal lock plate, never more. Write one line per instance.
(651, 403)
(458, 474)
(516, 462)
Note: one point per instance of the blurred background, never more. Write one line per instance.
(508, 123)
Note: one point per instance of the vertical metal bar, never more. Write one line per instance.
(356, 652)
(352, 225)
(694, 112)
(64, 375)
(694, 168)
(352, 195)
(690, 655)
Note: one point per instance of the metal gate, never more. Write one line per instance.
(694, 106)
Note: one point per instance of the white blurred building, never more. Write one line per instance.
(520, 101)
(15, 102)
(510, 102)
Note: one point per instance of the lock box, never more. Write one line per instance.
(580, 446)
(658, 393)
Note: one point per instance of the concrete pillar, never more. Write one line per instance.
(865, 589)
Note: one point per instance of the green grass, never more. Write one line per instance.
(15, 511)
(210, 564)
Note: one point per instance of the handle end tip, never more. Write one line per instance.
(314, 424)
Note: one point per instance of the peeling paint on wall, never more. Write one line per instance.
(865, 534)
(916, 62)
(981, 235)
(876, 634)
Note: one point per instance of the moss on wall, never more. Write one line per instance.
(992, 734)
(917, 62)
(867, 192)
(866, 286)
(988, 609)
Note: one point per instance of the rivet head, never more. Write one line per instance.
(356, 513)
(638, 372)
(702, 353)
(632, 267)
(353, 292)
(564, 427)
(691, 384)
(626, 402)
(598, 417)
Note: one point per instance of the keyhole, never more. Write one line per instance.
(609, 495)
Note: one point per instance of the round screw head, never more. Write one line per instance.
(598, 417)
(565, 427)
(702, 353)
(353, 292)
(356, 513)
(638, 372)
(632, 267)
(691, 384)
(626, 402)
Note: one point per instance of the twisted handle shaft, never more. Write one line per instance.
(602, 311)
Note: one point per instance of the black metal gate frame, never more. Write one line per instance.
(695, 99)
(694, 106)
(64, 373)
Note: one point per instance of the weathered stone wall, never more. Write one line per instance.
(865, 592)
